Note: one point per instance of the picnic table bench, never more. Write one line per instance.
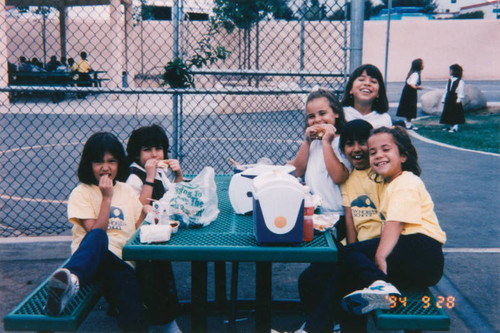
(41, 79)
(415, 314)
(52, 79)
(29, 315)
(415, 310)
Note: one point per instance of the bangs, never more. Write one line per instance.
(355, 130)
(153, 138)
(373, 72)
(107, 145)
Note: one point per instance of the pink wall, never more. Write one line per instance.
(474, 44)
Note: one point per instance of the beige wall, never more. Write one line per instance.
(474, 44)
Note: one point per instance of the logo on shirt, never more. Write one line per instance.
(116, 219)
(363, 206)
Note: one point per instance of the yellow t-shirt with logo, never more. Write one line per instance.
(406, 200)
(362, 194)
(85, 202)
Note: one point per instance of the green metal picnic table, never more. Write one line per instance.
(229, 238)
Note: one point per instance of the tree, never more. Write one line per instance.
(341, 15)
(281, 11)
(313, 11)
(246, 14)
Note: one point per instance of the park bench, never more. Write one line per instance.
(415, 311)
(41, 79)
(29, 315)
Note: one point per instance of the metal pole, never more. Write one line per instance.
(63, 16)
(357, 20)
(302, 34)
(44, 20)
(389, 7)
(175, 97)
(142, 44)
(346, 73)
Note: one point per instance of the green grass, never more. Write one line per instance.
(480, 132)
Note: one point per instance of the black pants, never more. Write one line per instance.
(416, 261)
(157, 286)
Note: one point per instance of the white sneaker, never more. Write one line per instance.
(62, 287)
(410, 126)
(372, 298)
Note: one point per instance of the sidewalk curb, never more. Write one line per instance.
(35, 248)
(437, 143)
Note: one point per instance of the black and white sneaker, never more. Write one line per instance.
(62, 287)
(372, 298)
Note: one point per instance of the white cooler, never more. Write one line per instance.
(240, 187)
(278, 208)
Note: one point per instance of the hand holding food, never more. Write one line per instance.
(163, 164)
(317, 133)
(174, 165)
(329, 132)
(150, 167)
(106, 186)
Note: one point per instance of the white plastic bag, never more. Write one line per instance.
(193, 203)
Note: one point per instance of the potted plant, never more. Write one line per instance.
(178, 72)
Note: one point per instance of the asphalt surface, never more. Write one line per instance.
(465, 188)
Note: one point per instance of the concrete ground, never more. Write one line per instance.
(465, 188)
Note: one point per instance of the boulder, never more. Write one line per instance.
(431, 101)
(474, 100)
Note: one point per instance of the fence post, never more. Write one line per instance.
(389, 7)
(116, 45)
(175, 125)
(357, 18)
(302, 33)
(4, 97)
(175, 98)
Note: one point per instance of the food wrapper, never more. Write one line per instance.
(155, 233)
(174, 225)
(323, 222)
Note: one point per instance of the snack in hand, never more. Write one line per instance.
(163, 164)
(317, 135)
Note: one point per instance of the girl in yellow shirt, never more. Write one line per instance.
(409, 251)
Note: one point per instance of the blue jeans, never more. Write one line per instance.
(92, 260)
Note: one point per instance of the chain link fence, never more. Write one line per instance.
(246, 106)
